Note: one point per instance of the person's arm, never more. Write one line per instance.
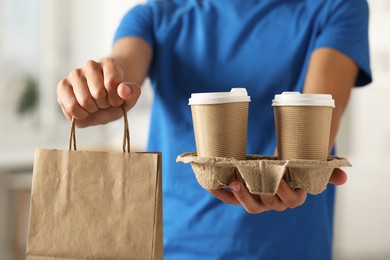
(329, 72)
(94, 93)
(135, 56)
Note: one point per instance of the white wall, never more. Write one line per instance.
(18, 59)
(362, 228)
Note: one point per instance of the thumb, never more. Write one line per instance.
(129, 92)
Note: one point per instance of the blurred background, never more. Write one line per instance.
(42, 40)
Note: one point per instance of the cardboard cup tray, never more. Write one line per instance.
(262, 174)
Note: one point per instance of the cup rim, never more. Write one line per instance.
(298, 99)
(209, 98)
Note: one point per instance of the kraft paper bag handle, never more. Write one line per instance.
(126, 133)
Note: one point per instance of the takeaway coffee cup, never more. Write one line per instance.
(303, 124)
(220, 123)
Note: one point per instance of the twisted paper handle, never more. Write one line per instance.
(126, 133)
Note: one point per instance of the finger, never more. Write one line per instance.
(94, 78)
(247, 200)
(129, 92)
(113, 76)
(225, 196)
(338, 177)
(69, 102)
(103, 117)
(291, 198)
(81, 91)
(273, 202)
(69, 117)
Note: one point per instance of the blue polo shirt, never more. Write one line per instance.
(216, 45)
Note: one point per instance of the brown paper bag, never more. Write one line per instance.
(95, 205)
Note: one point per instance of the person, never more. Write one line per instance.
(209, 46)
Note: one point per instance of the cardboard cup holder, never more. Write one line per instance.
(262, 174)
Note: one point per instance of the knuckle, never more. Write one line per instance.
(108, 60)
(115, 102)
(99, 93)
(74, 110)
(72, 107)
(62, 84)
(63, 90)
(111, 82)
(85, 102)
(76, 73)
(91, 65)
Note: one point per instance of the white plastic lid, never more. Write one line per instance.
(298, 99)
(235, 95)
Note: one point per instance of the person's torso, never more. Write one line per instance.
(211, 46)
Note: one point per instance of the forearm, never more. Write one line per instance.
(135, 56)
(331, 72)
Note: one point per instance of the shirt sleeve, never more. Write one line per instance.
(137, 22)
(346, 30)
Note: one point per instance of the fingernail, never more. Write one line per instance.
(127, 90)
(236, 187)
